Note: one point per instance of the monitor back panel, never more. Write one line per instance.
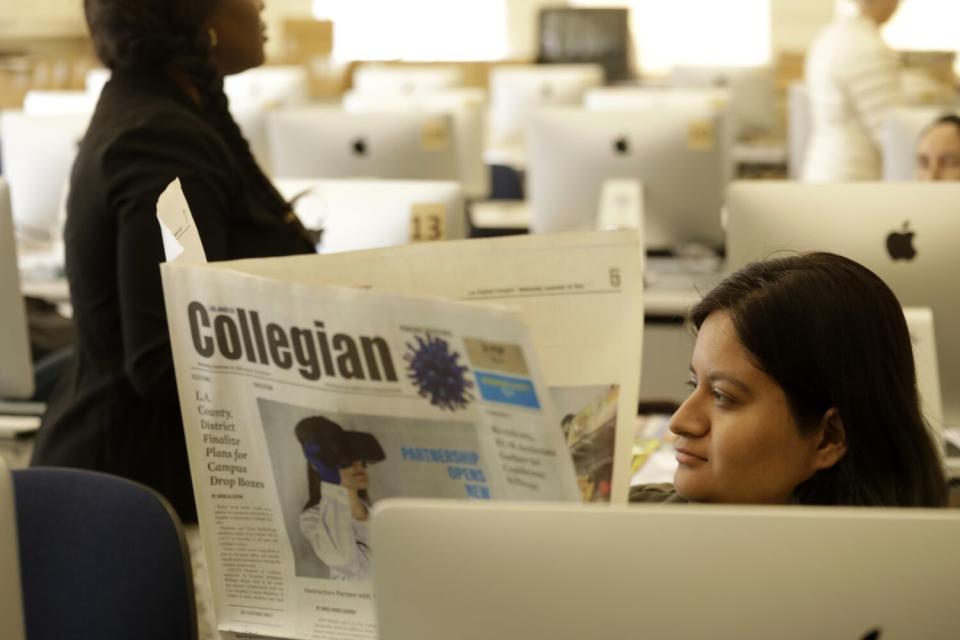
(11, 598)
(16, 370)
(907, 233)
(680, 152)
(328, 143)
(567, 572)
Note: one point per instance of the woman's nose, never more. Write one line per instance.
(690, 420)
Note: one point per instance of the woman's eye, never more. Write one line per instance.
(691, 384)
(721, 398)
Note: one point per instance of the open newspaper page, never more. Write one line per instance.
(304, 404)
(580, 293)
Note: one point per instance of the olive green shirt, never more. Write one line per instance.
(650, 493)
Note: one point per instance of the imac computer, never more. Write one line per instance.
(37, 153)
(16, 373)
(467, 107)
(625, 98)
(53, 103)
(753, 94)
(320, 142)
(518, 91)
(799, 128)
(11, 594)
(680, 153)
(381, 79)
(901, 133)
(95, 80)
(906, 233)
(550, 571)
(269, 86)
(252, 121)
(370, 214)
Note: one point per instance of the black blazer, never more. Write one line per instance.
(117, 410)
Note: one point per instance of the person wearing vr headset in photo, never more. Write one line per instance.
(335, 517)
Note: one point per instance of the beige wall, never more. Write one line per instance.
(795, 22)
(29, 18)
(42, 18)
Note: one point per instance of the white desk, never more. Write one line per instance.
(54, 291)
(500, 214)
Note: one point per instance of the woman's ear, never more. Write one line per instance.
(833, 440)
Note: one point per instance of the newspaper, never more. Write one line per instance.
(303, 404)
(580, 293)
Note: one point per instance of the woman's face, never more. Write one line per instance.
(355, 476)
(938, 153)
(241, 34)
(737, 440)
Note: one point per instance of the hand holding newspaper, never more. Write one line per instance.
(304, 403)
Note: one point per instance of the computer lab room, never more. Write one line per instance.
(479, 319)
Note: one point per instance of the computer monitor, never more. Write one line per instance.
(799, 128)
(370, 214)
(269, 86)
(37, 154)
(95, 80)
(252, 121)
(476, 571)
(518, 91)
(904, 232)
(625, 98)
(16, 372)
(320, 142)
(51, 103)
(753, 90)
(382, 79)
(920, 324)
(601, 36)
(901, 133)
(11, 595)
(467, 107)
(679, 151)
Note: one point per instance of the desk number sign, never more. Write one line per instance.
(428, 222)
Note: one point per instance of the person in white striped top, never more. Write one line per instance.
(853, 80)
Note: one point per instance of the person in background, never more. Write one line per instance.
(853, 81)
(803, 391)
(938, 150)
(163, 115)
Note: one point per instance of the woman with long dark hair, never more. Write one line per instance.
(803, 391)
(334, 519)
(162, 115)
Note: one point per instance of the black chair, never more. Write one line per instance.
(100, 558)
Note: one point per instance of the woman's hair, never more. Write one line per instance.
(833, 335)
(159, 35)
(951, 119)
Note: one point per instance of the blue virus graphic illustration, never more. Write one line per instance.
(437, 373)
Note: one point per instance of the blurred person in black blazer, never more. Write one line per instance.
(163, 115)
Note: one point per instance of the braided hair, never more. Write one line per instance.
(157, 35)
